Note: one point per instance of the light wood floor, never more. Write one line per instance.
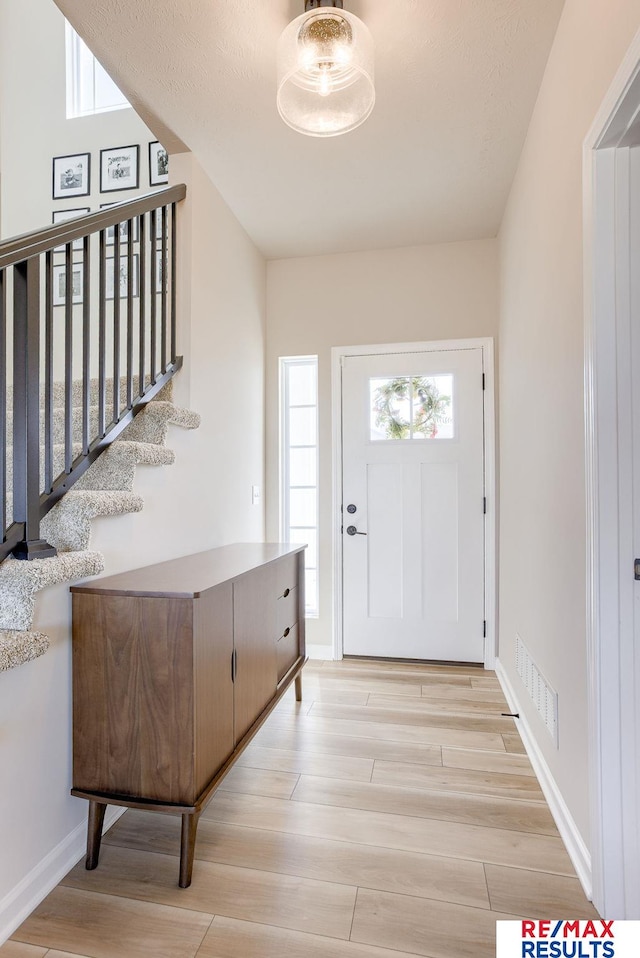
(392, 813)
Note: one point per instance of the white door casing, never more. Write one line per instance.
(612, 398)
(421, 582)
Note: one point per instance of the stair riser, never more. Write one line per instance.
(59, 425)
(58, 464)
(59, 391)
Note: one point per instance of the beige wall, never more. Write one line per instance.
(415, 294)
(542, 545)
(204, 500)
(33, 124)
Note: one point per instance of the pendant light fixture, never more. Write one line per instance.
(325, 71)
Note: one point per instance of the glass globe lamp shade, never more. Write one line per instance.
(325, 73)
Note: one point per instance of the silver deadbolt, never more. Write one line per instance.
(351, 509)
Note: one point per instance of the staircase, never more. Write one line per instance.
(69, 449)
(106, 489)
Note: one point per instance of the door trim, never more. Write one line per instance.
(338, 353)
(615, 821)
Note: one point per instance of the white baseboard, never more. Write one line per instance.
(574, 843)
(322, 652)
(34, 887)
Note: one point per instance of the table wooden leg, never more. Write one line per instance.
(187, 847)
(94, 833)
(299, 687)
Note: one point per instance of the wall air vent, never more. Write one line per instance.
(542, 695)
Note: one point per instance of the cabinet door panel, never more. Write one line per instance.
(213, 648)
(255, 634)
(133, 696)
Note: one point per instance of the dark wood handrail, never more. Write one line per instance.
(19, 248)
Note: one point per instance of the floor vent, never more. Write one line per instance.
(542, 695)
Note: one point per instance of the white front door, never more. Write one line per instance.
(413, 505)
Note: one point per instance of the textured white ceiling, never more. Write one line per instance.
(456, 82)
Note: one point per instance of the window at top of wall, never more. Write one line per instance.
(90, 89)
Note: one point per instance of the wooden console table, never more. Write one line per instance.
(175, 668)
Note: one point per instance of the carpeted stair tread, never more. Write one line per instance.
(68, 526)
(19, 581)
(116, 468)
(154, 425)
(58, 467)
(17, 647)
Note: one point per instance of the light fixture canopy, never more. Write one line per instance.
(325, 71)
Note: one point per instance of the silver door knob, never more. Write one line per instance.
(352, 531)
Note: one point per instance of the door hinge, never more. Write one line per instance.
(234, 665)
(484, 385)
(484, 505)
(484, 629)
(636, 569)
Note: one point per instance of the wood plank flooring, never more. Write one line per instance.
(392, 813)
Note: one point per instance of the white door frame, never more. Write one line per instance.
(338, 353)
(615, 818)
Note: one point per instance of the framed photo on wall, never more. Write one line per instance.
(160, 284)
(123, 278)
(61, 216)
(71, 175)
(119, 168)
(158, 164)
(110, 232)
(159, 225)
(60, 284)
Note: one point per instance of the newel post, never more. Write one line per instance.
(26, 409)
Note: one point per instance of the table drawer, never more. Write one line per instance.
(287, 651)
(287, 573)
(287, 610)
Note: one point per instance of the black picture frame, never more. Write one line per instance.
(59, 283)
(161, 285)
(158, 164)
(119, 168)
(71, 175)
(110, 231)
(62, 216)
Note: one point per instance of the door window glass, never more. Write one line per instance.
(411, 407)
